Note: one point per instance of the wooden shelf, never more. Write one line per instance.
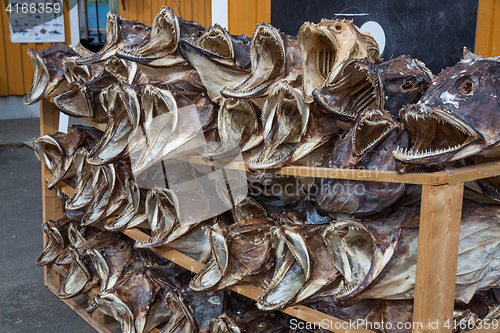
(440, 217)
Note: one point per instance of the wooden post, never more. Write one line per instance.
(439, 235)
(49, 123)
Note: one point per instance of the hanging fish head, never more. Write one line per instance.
(405, 80)
(358, 88)
(239, 128)
(48, 76)
(274, 57)
(285, 119)
(453, 119)
(327, 47)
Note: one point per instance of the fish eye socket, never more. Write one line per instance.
(198, 33)
(60, 56)
(137, 27)
(338, 27)
(407, 85)
(468, 87)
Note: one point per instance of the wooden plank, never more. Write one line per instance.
(17, 64)
(484, 27)
(298, 311)
(27, 66)
(4, 89)
(439, 233)
(263, 11)
(49, 119)
(495, 42)
(208, 13)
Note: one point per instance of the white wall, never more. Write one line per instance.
(13, 107)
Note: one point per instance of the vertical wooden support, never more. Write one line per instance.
(49, 123)
(439, 235)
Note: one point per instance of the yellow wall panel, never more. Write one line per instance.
(488, 28)
(244, 15)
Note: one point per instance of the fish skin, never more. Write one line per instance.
(247, 248)
(393, 253)
(361, 198)
(57, 241)
(62, 147)
(463, 96)
(289, 68)
(48, 77)
(346, 43)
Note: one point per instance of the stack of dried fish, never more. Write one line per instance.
(176, 89)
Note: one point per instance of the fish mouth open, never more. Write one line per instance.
(319, 51)
(373, 127)
(123, 103)
(291, 273)
(238, 124)
(75, 101)
(436, 136)
(161, 211)
(75, 72)
(50, 153)
(217, 41)
(358, 89)
(41, 79)
(77, 277)
(285, 119)
(351, 250)
(54, 247)
(215, 271)
(267, 54)
(163, 39)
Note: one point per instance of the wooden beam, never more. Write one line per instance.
(439, 234)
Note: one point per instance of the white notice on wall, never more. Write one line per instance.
(23, 18)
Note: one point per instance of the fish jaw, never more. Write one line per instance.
(238, 124)
(358, 89)
(40, 81)
(351, 250)
(372, 128)
(161, 207)
(77, 277)
(327, 47)
(268, 57)
(214, 74)
(444, 138)
(124, 109)
(163, 39)
(285, 118)
(291, 273)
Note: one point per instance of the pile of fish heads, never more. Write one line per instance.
(323, 98)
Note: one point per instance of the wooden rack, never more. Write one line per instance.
(440, 215)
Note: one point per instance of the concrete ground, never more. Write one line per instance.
(26, 305)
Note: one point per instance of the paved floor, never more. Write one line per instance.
(26, 305)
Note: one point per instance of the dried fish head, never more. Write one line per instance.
(48, 77)
(357, 89)
(57, 241)
(239, 129)
(453, 118)
(238, 251)
(124, 114)
(120, 33)
(275, 57)
(82, 99)
(58, 150)
(285, 118)
(162, 40)
(369, 145)
(327, 47)
(405, 80)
